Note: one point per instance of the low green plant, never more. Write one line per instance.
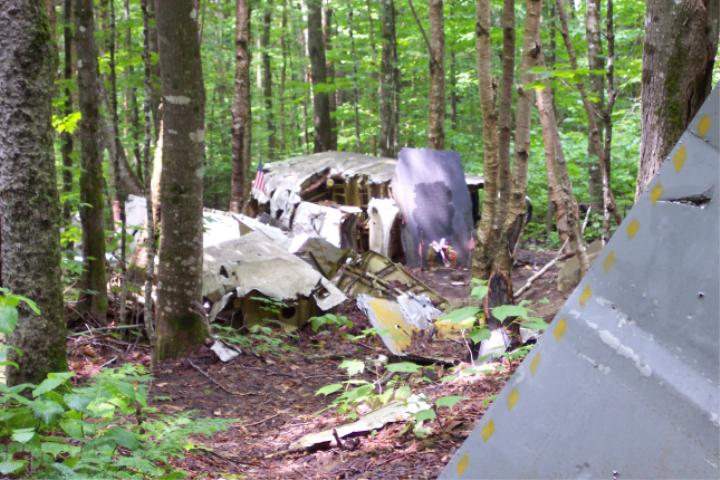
(103, 429)
(259, 339)
(330, 320)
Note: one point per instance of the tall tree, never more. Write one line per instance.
(241, 129)
(66, 137)
(267, 78)
(596, 64)
(318, 66)
(681, 41)
(436, 114)
(29, 204)
(330, 71)
(389, 83)
(180, 328)
(94, 300)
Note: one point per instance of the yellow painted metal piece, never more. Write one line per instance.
(462, 465)
(560, 329)
(535, 364)
(388, 315)
(703, 126)
(513, 398)
(488, 430)
(447, 329)
(656, 192)
(609, 261)
(679, 158)
(633, 228)
(585, 295)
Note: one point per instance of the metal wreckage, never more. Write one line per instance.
(336, 226)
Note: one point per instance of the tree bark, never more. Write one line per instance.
(330, 70)
(180, 329)
(436, 114)
(389, 83)
(94, 300)
(66, 138)
(597, 89)
(318, 66)
(29, 203)
(241, 126)
(560, 187)
(681, 40)
(356, 91)
(283, 78)
(267, 79)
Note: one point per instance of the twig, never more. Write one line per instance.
(585, 222)
(218, 384)
(337, 439)
(228, 459)
(541, 272)
(254, 424)
(422, 30)
(109, 362)
(92, 331)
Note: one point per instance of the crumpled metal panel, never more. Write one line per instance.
(625, 381)
(430, 190)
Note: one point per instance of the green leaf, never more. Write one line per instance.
(461, 314)
(122, 437)
(425, 415)
(77, 401)
(55, 448)
(23, 435)
(328, 389)
(52, 381)
(353, 367)
(8, 319)
(403, 367)
(479, 292)
(478, 334)
(504, 311)
(534, 323)
(11, 466)
(47, 410)
(73, 428)
(449, 401)
(359, 394)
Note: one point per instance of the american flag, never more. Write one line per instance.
(258, 184)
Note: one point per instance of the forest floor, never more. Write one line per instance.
(272, 398)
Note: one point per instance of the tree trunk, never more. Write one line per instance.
(180, 328)
(595, 135)
(436, 115)
(330, 72)
(94, 299)
(283, 79)
(681, 40)
(29, 204)
(132, 118)
(267, 79)
(560, 187)
(241, 127)
(389, 83)
(356, 91)
(66, 138)
(453, 91)
(148, 311)
(318, 65)
(482, 258)
(155, 77)
(595, 62)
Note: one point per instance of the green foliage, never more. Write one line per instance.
(104, 429)
(330, 320)
(259, 339)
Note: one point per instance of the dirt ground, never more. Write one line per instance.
(272, 397)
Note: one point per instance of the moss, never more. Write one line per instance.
(186, 333)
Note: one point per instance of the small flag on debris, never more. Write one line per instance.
(258, 184)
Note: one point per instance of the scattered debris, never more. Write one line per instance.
(224, 351)
(386, 317)
(399, 411)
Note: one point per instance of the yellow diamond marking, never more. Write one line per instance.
(535, 364)
(462, 465)
(513, 398)
(585, 295)
(560, 330)
(632, 229)
(488, 430)
(609, 261)
(679, 158)
(703, 126)
(655, 193)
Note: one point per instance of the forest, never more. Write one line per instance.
(216, 260)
